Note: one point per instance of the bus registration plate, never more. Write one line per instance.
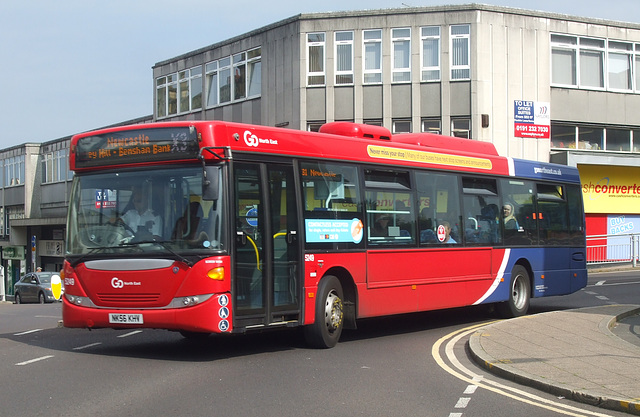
(125, 318)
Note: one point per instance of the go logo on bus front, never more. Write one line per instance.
(252, 140)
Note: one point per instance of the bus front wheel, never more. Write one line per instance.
(519, 294)
(326, 330)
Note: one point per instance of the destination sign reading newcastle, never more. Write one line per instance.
(135, 146)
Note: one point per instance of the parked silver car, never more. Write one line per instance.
(34, 287)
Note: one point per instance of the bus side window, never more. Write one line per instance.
(439, 202)
(389, 206)
(518, 194)
(552, 214)
(481, 209)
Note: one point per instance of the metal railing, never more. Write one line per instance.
(612, 249)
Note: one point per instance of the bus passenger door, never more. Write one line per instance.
(267, 265)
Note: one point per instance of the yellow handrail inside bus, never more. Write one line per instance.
(255, 248)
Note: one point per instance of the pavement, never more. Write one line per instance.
(574, 354)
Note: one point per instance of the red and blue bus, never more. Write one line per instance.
(251, 228)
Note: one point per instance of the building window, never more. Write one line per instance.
(315, 52)
(563, 136)
(54, 166)
(460, 52)
(563, 60)
(246, 82)
(401, 126)
(224, 80)
(196, 88)
(430, 37)
(344, 57)
(590, 138)
(580, 62)
(211, 76)
(161, 96)
(595, 138)
(591, 63)
(372, 56)
(314, 126)
(461, 128)
(190, 90)
(239, 76)
(372, 122)
(636, 62)
(167, 95)
(635, 140)
(432, 126)
(183, 92)
(618, 140)
(14, 171)
(619, 65)
(254, 73)
(401, 60)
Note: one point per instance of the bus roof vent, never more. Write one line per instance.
(356, 130)
(434, 141)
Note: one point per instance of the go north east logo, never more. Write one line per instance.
(118, 283)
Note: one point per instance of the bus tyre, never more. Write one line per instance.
(519, 294)
(326, 330)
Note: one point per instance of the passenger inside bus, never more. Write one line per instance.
(381, 226)
(447, 233)
(510, 221)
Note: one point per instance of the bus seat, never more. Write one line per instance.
(427, 236)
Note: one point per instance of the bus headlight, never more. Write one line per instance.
(190, 301)
(75, 299)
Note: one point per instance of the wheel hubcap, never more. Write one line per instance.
(333, 312)
(518, 293)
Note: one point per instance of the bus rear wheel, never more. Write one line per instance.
(519, 294)
(326, 330)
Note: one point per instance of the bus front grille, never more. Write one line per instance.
(126, 299)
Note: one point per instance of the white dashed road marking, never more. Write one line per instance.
(34, 360)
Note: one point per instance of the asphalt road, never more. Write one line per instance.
(411, 365)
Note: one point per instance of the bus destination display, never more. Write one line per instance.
(135, 146)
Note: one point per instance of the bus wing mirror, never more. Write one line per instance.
(210, 183)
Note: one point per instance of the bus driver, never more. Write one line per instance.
(140, 219)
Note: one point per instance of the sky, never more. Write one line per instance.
(68, 66)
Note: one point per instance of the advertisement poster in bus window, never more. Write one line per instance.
(619, 227)
(334, 231)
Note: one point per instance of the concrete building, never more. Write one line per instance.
(538, 85)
